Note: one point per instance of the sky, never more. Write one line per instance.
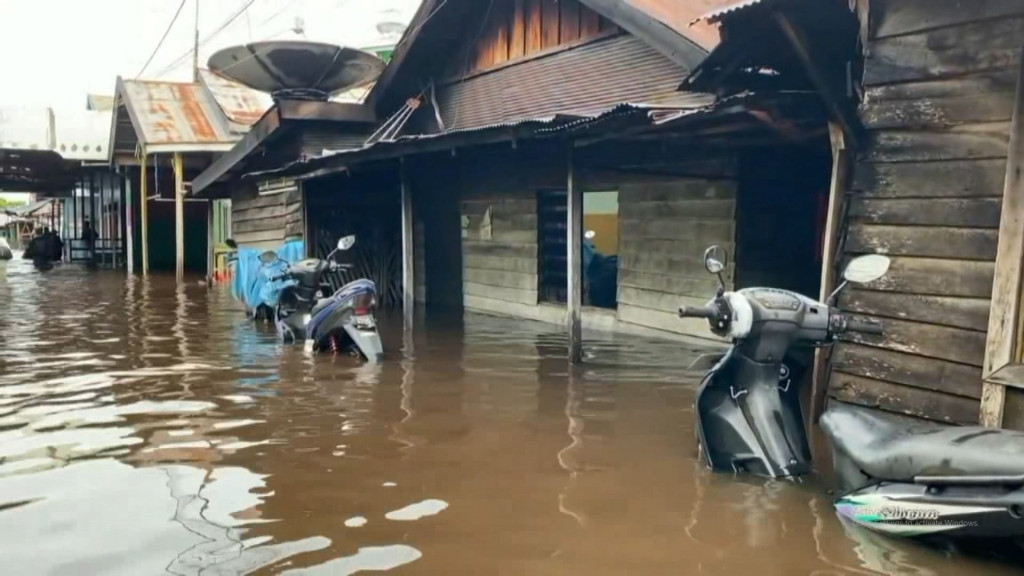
(57, 51)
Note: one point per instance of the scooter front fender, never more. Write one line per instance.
(744, 424)
(368, 342)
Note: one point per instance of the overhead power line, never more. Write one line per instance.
(162, 38)
(244, 9)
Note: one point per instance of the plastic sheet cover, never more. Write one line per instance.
(251, 283)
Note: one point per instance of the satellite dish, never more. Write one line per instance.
(297, 69)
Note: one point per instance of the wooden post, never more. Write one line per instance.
(1003, 323)
(210, 239)
(129, 224)
(144, 212)
(408, 256)
(179, 218)
(574, 245)
(836, 196)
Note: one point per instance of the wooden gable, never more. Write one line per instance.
(513, 30)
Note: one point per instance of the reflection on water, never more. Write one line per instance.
(147, 428)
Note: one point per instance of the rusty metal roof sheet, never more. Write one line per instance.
(175, 117)
(242, 105)
(679, 16)
(716, 16)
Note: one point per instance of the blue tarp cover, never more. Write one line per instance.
(251, 284)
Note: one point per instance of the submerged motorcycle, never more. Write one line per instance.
(263, 311)
(343, 322)
(902, 480)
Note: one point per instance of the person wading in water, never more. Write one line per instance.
(90, 236)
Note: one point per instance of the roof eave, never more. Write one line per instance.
(657, 34)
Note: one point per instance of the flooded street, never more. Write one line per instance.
(147, 429)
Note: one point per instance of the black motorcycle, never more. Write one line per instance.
(901, 480)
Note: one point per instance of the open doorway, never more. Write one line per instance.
(780, 217)
(600, 247)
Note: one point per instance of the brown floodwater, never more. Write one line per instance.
(149, 429)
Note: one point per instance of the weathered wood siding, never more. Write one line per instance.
(499, 252)
(265, 221)
(516, 29)
(665, 223)
(664, 228)
(940, 80)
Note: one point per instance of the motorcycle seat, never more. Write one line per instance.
(897, 452)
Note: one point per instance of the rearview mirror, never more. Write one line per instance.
(715, 259)
(866, 269)
(230, 242)
(268, 257)
(346, 242)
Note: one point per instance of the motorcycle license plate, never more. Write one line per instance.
(366, 322)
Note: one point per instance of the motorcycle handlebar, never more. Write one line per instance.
(706, 312)
(863, 327)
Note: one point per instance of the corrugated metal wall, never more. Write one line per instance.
(585, 79)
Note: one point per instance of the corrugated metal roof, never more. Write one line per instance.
(679, 16)
(29, 209)
(73, 134)
(176, 116)
(716, 16)
(26, 128)
(99, 102)
(539, 127)
(83, 134)
(242, 105)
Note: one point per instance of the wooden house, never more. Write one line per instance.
(933, 182)
(504, 143)
(266, 211)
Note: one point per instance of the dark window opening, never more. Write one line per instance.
(553, 278)
(600, 261)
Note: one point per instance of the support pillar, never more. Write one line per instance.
(144, 212)
(129, 230)
(408, 256)
(574, 245)
(179, 218)
(210, 239)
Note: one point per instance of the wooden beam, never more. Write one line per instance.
(408, 256)
(833, 100)
(574, 245)
(836, 197)
(179, 218)
(144, 212)
(1003, 327)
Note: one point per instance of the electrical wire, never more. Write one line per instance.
(162, 38)
(244, 9)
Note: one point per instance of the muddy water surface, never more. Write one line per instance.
(148, 429)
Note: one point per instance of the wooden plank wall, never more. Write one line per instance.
(499, 259)
(939, 87)
(265, 221)
(664, 229)
(665, 225)
(515, 29)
